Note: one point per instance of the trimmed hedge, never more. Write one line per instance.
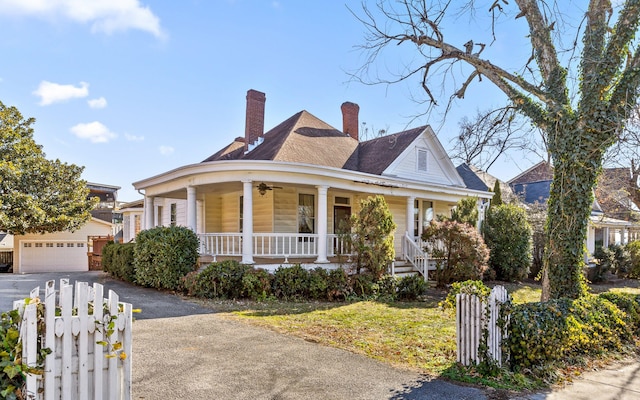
(232, 280)
(118, 260)
(163, 255)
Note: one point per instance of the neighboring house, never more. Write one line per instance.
(475, 178)
(132, 214)
(281, 195)
(66, 251)
(534, 185)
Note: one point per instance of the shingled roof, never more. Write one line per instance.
(470, 178)
(303, 138)
(374, 156)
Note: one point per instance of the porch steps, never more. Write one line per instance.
(403, 268)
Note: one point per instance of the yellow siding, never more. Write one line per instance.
(230, 217)
(213, 213)
(263, 212)
(285, 210)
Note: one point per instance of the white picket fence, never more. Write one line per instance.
(79, 366)
(471, 314)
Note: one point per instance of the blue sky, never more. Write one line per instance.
(132, 88)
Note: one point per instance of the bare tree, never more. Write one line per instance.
(578, 87)
(493, 134)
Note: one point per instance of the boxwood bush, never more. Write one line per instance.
(223, 280)
(291, 283)
(118, 260)
(164, 255)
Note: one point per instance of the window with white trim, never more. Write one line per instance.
(421, 160)
(174, 214)
(306, 213)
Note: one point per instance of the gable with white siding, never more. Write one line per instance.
(425, 160)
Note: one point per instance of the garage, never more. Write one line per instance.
(57, 251)
(53, 255)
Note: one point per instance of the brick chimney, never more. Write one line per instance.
(254, 123)
(350, 119)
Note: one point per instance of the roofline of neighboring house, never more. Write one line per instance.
(526, 171)
(101, 221)
(132, 204)
(268, 170)
(102, 185)
(599, 220)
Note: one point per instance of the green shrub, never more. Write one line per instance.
(411, 287)
(465, 212)
(118, 260)
(623, 260)
(318, 283)
(363, 285)
(372, 239)
(605, 262)
(225, 279)
(633, 249)
(477, 288)
(541, 334)
(458, 249)
(291, 283)
(507, 233)
(338, 287)
(630, 304)
(387, 287)
(164, 255)
(256, 284)
(12, 373)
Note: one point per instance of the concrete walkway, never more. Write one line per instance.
(619, 381)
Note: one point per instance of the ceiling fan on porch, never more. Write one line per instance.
(263, 188)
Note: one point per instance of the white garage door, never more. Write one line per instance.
(53, 256)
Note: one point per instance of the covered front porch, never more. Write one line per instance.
(279, 212)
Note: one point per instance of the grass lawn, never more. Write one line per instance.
(411, 335)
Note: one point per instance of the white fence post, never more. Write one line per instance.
(471, 315)
(76, 368)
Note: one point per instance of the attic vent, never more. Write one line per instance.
(422, 160)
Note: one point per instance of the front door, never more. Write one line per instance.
(341, 216)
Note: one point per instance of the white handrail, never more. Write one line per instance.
(415, 255)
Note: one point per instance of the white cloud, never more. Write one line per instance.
(166, 150)
(106, 16)
(97, 103)
(95, 132)
(133, 138)
(50, 92)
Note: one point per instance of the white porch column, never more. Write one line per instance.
(605, 239)
(149, 212)
(322, 225)
(192, 209)
(247, 222)
(409, 218)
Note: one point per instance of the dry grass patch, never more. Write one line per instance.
(417, 336)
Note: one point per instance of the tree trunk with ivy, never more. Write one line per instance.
(580, 111)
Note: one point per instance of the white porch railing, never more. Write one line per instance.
(338, 245)
(414, 254)
(221, 244)
(272, 245)
(285, 244)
